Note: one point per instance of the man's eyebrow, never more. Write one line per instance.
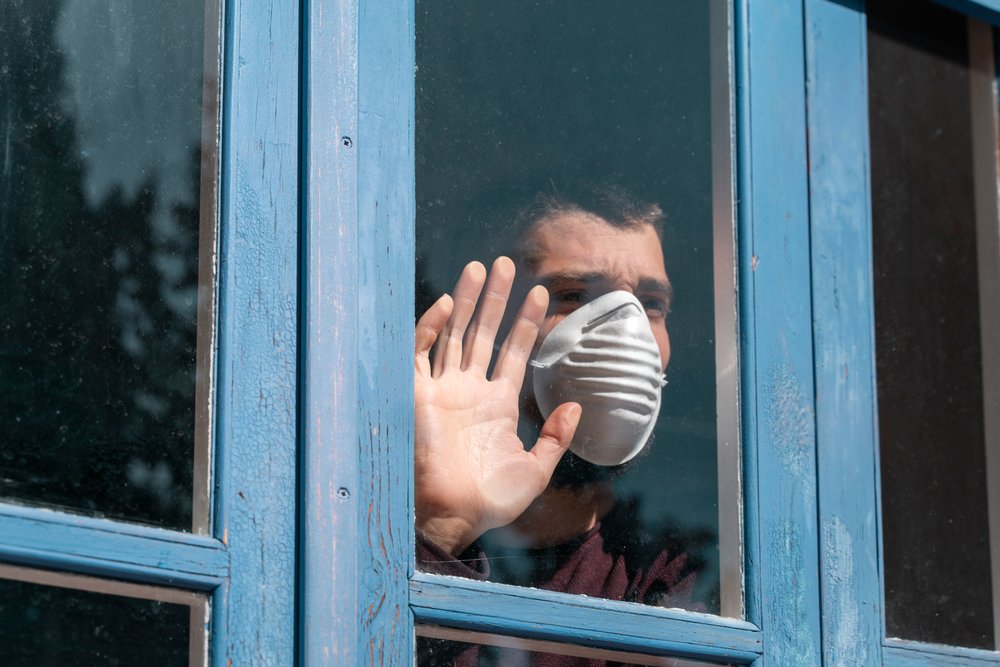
(662, 288)
(585, 277)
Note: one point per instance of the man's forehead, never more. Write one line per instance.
(585, 244)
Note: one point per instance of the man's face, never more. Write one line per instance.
(579, 257)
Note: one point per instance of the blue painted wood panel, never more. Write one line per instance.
(386, 259)
(254, 611)
(331, 498)
(779, 427)
(358, 354)
(578, 619)
(900, 653)
(99, 547)
(843, 322)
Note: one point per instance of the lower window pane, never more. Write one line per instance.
(47, 620)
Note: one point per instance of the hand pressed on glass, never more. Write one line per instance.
(472, 472)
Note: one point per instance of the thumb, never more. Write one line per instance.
(557, 434)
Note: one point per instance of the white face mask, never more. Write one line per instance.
(604, 357)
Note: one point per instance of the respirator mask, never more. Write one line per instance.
(604, 357)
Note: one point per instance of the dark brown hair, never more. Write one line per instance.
(609, 202)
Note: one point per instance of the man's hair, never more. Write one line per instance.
(611, 203)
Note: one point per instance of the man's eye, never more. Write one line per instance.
(655, 307)
(569, 296)
(566, 301)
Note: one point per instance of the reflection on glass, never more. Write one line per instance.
(101, 204)
(591, 147)
(447, 647)
(934, 211)
(45, 625)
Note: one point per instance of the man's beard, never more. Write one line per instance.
(572, 472)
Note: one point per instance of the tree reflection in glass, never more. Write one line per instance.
(101, 114)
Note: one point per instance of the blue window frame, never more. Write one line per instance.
(360, 594)
(311, 558)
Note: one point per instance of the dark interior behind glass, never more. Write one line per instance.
(928, 348)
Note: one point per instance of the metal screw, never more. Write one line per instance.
(343, 493)
(346, 141)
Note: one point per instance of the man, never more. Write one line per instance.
(473, 474)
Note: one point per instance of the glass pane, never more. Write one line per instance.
(447, 647)
(591, 143)
(106, 204)
(934, 253)
(43, 625)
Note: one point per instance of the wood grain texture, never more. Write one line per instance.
(544, 615)
(386, 257)
(254, 612)
(843, 324)
(100, 547)
(779, 427)
(359, 254)
(331, 499)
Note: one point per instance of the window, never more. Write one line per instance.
(279, 529)
(134, 489)
(360, 594)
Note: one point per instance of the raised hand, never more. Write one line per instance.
(472, 472)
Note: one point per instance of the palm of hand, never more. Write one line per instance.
(469, 458)
(472, 473)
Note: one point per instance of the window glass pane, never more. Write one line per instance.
(446, 647)
(591, 143)
(43, 623)
(107, 175)
(934, 220)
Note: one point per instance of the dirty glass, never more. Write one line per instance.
(107, 113)
(50, 625)
(933, 142)
(439, 647)
(591, 143)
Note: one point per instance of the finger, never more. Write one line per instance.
(478, 345)
(428, 329)
(557, 434)
(521, 339)
(448, 348)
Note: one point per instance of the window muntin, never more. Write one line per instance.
(520, 96)
(109, 248)
(933, 131)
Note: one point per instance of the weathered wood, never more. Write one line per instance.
(901, 653)
(779, 428)
(332, 503)
(357, 433)
(386, 263)
(100, 547)
(843, 326)
(254, 611)
(577, 619)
